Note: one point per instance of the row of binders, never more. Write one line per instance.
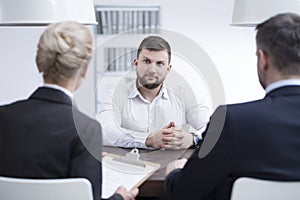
(133, 20)
(119, 59)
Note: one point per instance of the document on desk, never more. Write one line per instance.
(116, 172)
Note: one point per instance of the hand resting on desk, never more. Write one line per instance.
(170, 137)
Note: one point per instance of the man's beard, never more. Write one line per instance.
(149, 86)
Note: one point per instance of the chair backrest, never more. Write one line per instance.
(251, 188)
(45, 189)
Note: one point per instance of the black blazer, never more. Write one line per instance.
(260, 139)
(46, 137)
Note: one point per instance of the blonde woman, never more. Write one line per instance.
(46, 136)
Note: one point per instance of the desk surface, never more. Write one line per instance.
(154, 185)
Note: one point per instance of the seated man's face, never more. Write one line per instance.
(152, 68)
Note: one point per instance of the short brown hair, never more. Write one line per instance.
(279, 38)
(154, 43)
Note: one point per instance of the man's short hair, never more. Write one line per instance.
(154, 43)
(279, 38)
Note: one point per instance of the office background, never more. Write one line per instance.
(206, 22)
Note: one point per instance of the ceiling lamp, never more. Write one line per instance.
(253, 12)
(43, 12)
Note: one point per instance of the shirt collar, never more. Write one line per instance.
(135, 92)
(164, 92)
(282, 83)
(57, 87)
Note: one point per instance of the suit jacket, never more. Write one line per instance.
(46, 137)
(259, 139)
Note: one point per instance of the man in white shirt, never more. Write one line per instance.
(146, 113)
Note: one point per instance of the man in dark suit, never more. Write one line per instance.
(45, 136)
(259, 139)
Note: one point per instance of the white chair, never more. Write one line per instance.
(45, 189)
(257, 189)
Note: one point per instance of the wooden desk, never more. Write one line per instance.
(153, 187)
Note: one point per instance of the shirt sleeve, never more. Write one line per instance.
(109, 117)
(197, 112)
(197, 117)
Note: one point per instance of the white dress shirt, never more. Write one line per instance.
(57, 87)
(282, 83)
(127, 118)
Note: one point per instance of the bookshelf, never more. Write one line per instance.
(118, 19)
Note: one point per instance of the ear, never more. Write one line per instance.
(169, 68)
(135, 62)
(40, 69)
(263, 60)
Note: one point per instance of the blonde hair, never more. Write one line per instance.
(63, 48)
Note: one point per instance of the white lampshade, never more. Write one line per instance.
(43, 12)
(253, 12)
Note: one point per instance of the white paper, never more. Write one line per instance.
(117, 173)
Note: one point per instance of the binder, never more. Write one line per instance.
(127, 170)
